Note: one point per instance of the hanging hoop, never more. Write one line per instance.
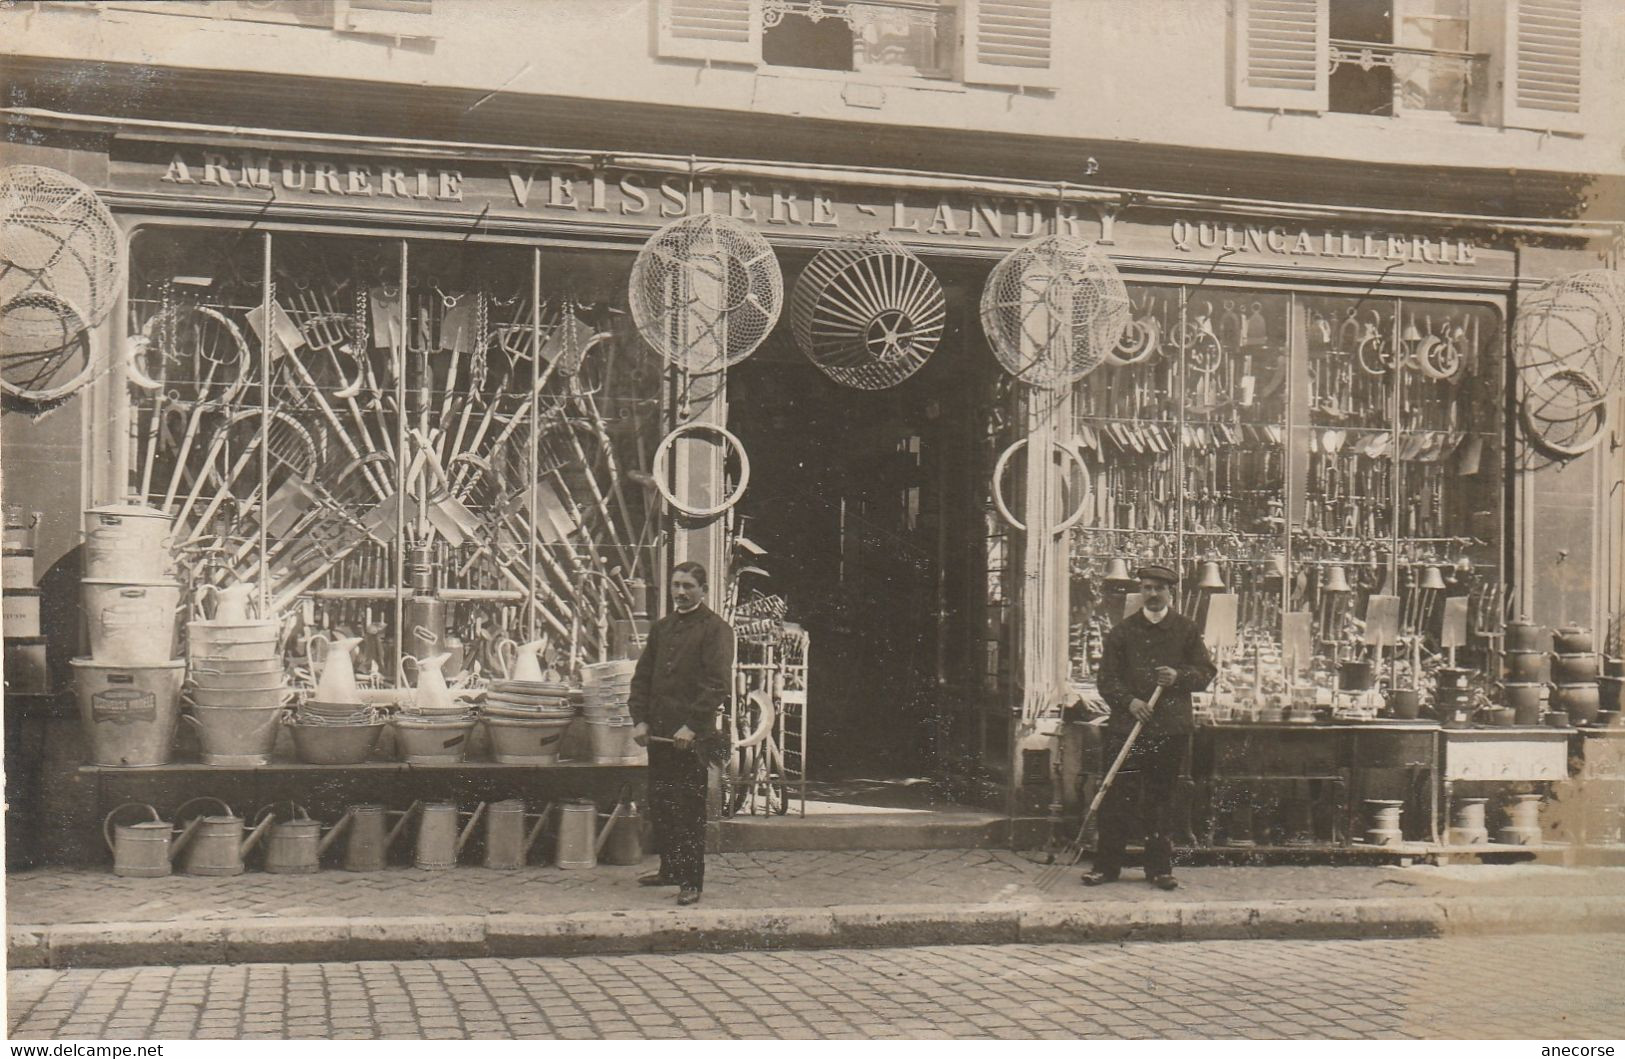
(1578, 439)
(998, 492)
(658, 469)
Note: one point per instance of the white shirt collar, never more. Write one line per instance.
(1156, 619)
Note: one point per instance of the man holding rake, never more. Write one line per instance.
(1151, 663)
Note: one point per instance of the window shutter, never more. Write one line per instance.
(728, 31)
(1008, 42)
(1281, 54)
(384, 18)
(1541, 78)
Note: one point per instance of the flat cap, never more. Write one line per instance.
(1157, 572)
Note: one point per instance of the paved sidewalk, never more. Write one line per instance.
(765, 900)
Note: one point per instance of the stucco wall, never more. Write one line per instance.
(1153, 71)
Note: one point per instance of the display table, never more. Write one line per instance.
(1499, 755)
(1382, 754)
(1295, 773)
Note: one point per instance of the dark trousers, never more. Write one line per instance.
(1140, 802)
(677, 790)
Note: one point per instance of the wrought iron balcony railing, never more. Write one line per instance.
(1433, 80)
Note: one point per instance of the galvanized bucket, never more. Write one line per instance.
(235, 735)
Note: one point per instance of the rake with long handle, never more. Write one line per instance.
(1070, 856)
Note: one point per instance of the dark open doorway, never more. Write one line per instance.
(869, 506)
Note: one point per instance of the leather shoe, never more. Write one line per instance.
(656, 879)
(1099, 878)
(688, 895)
(1165, 882)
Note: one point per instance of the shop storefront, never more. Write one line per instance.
(396, 388)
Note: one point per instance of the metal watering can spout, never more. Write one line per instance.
(536, 830)
(335, 831)
(468, 829)
(184, 836)
(255, 835)
(400, 825)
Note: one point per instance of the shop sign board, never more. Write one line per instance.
(480, 191)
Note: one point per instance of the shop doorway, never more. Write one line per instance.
(869, 508)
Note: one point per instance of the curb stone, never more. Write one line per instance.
(314, 939)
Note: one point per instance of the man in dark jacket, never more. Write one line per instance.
(680, 684)
(1154, 647)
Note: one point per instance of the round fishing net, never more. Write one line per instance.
(705, 291)
(1053, 310)
(868, 312)
(62, 259)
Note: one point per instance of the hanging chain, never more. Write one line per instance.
(482, 338)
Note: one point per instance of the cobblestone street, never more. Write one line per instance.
(1431, 988)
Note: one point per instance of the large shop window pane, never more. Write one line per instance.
(1295, 455)
(444, 462)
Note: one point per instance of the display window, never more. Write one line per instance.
(432, 446)
(1296, 455)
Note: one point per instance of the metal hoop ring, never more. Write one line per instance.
(657, 466)
(998, 492)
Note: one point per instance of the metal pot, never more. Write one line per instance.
(1574, 669)
(1524, 636)
(1580, 701)
(1525, 667)
(1573, 640)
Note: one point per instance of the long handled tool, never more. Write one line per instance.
(1070, 856)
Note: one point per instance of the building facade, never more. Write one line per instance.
(1326, 214)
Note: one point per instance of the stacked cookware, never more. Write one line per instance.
(606, 687)
(1526, 670)
(1575, 669)
(129, 687)
(25, 665)
(236, 680)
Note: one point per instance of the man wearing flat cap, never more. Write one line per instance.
(1154, 647)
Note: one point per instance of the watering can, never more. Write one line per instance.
(337, 683)
(368, 848)
(220, 843)
(432, 692)
(144, 850)
(230, 603)
(439, 841)
(507, 843)
(621, 840)
(295, 845)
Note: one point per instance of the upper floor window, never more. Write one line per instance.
(998, 42)
(1516, 63)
